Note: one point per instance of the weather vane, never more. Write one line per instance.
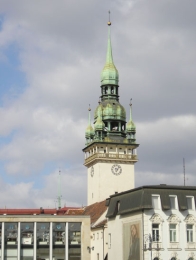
(109, 23)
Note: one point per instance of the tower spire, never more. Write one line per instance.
(109, 73)
(130, 109)
(89, 115)
(89, 134)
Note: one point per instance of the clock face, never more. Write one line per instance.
(116, 169)
(92, 171)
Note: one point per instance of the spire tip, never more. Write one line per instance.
(109, 23)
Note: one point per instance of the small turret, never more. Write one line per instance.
(89, 133)
(99, 125)
(131, 128)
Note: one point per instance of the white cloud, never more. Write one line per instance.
(61, 50)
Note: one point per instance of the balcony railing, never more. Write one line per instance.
(128, 157)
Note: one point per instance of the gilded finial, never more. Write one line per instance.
(109, 23)
(89, 109)
(130, 102)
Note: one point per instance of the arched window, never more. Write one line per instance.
(173, 258)
(156, 258)
(190, 258)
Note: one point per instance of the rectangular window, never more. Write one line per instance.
(155, 202)
(172, 232)
(173, 202)
(189, 233)
(109, 240)
(155, 232)
(189, 202)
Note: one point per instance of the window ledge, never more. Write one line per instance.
(174, 245)
(172, 248)
(191, 245)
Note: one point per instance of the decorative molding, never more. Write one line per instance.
(156, 218)
(173, 219)
(190, 219)
(174, 254)
(157, 254)
(191, 254)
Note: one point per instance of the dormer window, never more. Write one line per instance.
(173, 202)
(155, 202)
(189, 203)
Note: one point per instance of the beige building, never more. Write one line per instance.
(44, 236)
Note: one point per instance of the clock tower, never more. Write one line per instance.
(110, 149)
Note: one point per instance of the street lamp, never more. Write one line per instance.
(148, 240)
(90, 248)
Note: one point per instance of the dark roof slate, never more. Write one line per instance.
(141, 198)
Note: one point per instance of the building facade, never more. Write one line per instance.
(44, 237)
(110, 149)
(152, 223)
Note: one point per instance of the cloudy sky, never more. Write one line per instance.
(51, 56)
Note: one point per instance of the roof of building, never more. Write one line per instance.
(40, 211)
(95, 211)
(140, 198)
(101, 224)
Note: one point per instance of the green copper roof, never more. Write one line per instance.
(110, 109)
(89, 130)
(109, 74)
(99, 124)
(130, 125)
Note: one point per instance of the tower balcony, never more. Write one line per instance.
(115, 157)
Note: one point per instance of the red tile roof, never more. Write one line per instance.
(95, 210)
(61, 211)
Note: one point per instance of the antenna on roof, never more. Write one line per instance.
(59, 190)
(184, 172)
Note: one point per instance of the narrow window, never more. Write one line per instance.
(109, 240)
(189, 233)
(173, 203)
(189, 202)
(172, 232)
(155, 202)
(155, 232)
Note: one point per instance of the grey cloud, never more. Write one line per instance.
(62, 52)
